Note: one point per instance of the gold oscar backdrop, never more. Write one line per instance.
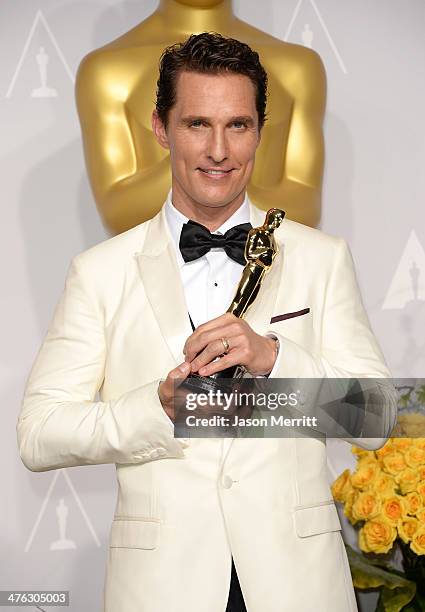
(129, 171)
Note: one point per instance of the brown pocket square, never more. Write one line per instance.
(289, 315)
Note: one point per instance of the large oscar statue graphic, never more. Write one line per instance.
(129, 171)
(260, 250)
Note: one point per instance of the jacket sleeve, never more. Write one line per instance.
(60, 423)
(348, 348)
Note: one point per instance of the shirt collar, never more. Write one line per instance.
(175, 221)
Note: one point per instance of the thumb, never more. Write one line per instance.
(168, 386)
(182, 371)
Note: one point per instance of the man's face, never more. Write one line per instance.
(212, 135)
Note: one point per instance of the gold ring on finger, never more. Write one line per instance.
(226, 345)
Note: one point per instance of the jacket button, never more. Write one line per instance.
(227, 482)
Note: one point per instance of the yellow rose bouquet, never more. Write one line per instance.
(385, 499)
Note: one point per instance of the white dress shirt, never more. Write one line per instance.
(209, 282)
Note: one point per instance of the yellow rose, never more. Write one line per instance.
(414, 456)
(419, 443)
(384, 485)
(420, 488)
(413, 502)
(377, 536)
(393, 509)
(366, 506)
(420, 515)
(348, 506)
(407, 528)
(365, 474)
(411, 424)
(341, 486)
(421, 472)
(394, 463)
(401, 444)
(385, 450)
(407, 480)
(418, 541)
(362, 453)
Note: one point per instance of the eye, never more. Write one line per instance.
(196, 123)
(239, 124)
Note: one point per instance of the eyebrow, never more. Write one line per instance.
(240, 118)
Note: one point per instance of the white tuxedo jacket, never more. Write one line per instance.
(184, 507)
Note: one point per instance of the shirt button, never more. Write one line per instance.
(227, 482)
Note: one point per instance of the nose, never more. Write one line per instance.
(217, 146)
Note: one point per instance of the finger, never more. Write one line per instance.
(223, 319)
(179, 373)
(211, 351)
(197, 343)
(227, 361)
(220, 321)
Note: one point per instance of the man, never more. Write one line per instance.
(122, 328)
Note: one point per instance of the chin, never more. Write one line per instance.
(215, 197)
(215, 202)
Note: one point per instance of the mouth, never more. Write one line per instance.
(215, 174)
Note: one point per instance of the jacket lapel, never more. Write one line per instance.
(162, 282)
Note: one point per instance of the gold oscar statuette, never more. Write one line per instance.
(260, 250)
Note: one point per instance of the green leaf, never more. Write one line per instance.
(416, 605)
(404, 399)
(420, 394)
(396, 591)
(420, 602)
(380, 605)
(394, 599)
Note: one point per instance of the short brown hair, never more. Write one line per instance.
(210, 53)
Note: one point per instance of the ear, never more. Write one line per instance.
(159, 130)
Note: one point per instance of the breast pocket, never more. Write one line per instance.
(297, 325)
(320, 518)
(290, 315)
(135, 533)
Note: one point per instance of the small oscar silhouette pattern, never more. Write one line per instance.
(63, 543)
(412, 323)
(43, 91)
(307, 36)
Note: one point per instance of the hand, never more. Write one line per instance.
(167, 392)
(257, 353)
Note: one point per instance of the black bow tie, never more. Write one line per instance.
(196, 240)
